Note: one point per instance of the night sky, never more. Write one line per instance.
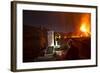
(57, 21)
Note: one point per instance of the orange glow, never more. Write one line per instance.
(83, 28)
(85, 23)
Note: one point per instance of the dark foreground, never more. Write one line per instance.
(80, 48)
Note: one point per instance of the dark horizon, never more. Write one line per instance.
(56, 21)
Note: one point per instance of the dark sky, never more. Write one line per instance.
(57, 21)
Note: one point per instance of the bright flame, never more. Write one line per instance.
(83, 28)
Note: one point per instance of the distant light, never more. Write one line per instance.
(59, 36)
(65, 37)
